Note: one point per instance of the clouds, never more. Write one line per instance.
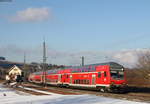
(129, 58)
(32, 15)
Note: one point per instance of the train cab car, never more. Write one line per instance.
(104, 76)
(117, 77)
(111, 76)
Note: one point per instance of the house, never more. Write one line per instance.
(15, 70)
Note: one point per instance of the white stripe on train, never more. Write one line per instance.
(80, 85)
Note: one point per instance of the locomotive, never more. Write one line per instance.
(110, 77)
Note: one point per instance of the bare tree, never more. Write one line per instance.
(143, 66)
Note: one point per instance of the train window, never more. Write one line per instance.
(79, 81)
(117, 74)
(84, 82)
(87, 82)
(105, 74)
(99, 74)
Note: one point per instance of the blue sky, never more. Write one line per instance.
(76, 26)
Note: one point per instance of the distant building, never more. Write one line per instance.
(2, 58)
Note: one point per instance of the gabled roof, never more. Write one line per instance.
(13, 68)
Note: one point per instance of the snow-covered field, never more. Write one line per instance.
(8, 96)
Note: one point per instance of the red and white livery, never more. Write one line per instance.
(104, 77)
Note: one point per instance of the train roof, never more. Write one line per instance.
(111, 64)
(85, 68)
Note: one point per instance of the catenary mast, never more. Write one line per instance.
(44, 63)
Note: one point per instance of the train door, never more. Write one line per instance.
(66, 78)
(70, 79)
(101, 76)
(59, 78)
(93, 79)
(42, 77)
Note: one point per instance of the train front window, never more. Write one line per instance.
(117, 74)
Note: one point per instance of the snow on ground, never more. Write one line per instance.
(8, 96)
(44, 92)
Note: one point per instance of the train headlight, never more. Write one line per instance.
(124, 83)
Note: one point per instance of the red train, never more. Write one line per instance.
(104, 77)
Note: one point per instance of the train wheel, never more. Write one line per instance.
(102, 89)
(67, 86)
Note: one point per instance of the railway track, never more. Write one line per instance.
(132, 95)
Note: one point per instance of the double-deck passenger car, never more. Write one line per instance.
(104, 77)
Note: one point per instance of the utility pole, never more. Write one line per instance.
(44, 63)
(82, 60)
(24, 65)
(24, 62)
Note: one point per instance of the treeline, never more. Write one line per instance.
(140, 75)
